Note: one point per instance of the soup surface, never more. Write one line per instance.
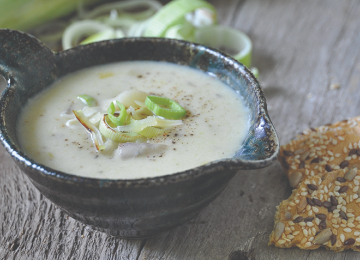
(216, 124)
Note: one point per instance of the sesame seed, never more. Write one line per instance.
(357, 233)
(342, 238)
(347, 230)
(281, 241)
(306, 233)
(307, 244)
(296, 233)
(337, 155)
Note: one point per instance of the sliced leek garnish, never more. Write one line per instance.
(121, 119)
(130, 97)
(172, 14)
(138, 125)
(128, 125)
(116, 136)
(164, 107)
(150, 132)
(191, 20)
(87, 100)
(94, 132)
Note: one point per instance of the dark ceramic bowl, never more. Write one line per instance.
(141, 207)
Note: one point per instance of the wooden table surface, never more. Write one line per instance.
(302, 49)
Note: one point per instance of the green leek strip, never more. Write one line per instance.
(172, 14)
(124, 7)
(77, 31)
(115, 136)
(150, 132)
(138, 125)
(164, 107)
(26, 14)
(107, 34)
(87, 100)
(255, 71)
(123, 116)
(228, 39)
(94, 132)
(161, 122)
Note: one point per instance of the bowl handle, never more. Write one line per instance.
(25, 61)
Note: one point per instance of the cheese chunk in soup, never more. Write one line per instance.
(214, 127)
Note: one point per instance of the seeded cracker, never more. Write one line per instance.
(321, 212)
(321, 150)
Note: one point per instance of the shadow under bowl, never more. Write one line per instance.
(141, 207)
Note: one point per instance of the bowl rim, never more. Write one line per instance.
(221, 164)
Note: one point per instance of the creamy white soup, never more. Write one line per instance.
(214, 127)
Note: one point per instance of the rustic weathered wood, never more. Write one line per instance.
(301, 48)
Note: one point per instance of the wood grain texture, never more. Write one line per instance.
(301, 48)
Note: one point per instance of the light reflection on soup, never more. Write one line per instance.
(215, 128)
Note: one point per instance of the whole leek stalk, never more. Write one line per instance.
(26, 14)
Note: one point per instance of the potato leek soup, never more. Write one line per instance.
(131, 120)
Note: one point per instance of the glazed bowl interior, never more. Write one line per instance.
(139, 207)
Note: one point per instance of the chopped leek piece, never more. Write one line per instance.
(107, 34)
(172, 14)
(150, 132)
(115, 136)
(111, 109)
(234, 42)
(129, 97)
(164, 107)
(94, 132)
(138, 125)
(121, 119)
(255, 71)
(87, 100)
(78, 30)
(26, 14)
